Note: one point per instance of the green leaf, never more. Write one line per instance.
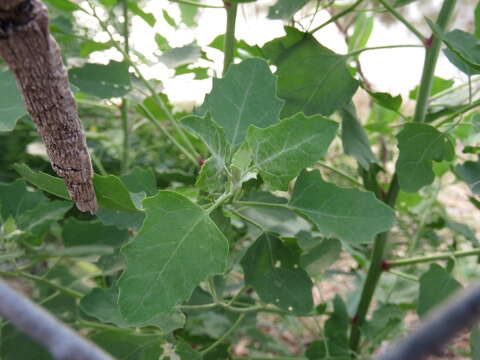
(351, 215)
(129, 346)
(399, 3)
(170, 21)
(385, 322)
(420, 145)
(386, 100)
(469, 172)
(104, 81)
(354, 138)
(108, 3)
(151, 104)
(185, 352)
(37, 221)
(112, 193)
(212, 135)
(162, 42)
(51, 184)
(199, 72)
(89, 46)
(475, 343)
(121, 219)
(282, 150)
(212, 176)
(280, 220)
(83, 233)
(110, 190)
(335, 346)
(147, 17)
(311, 78)
(64, 5)
(16, 346)
(361, 32)
(163, 267)
(15, 199)
(274, 272)
(436, 285)
(245, 96)
(463, 45)
(175, 57)
(439, 85)
(336, 327)
(318, 258)
(102, 304)
(285, 9)
(140, 180)
(189, 13)
(243, 50)
(11, 102)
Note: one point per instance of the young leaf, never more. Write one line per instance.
(11, 102)
(469, 172)
(285, 9)
(212, 135)
(311, 78)
(102, 304)
(351, 215)
(163, 267)
(104, 81)
(420, 145)
(245, 96)
(275, 273)
(436, 285)
(354, 138)
(212, 174)
(281, 151)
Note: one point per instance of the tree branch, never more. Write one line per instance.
(61, 341)
(439, 328)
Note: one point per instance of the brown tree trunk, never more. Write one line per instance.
(34, 57)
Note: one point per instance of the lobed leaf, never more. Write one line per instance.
(275, 273)
(177, 247)
(311, 78)
(245, 96)
(420, 145)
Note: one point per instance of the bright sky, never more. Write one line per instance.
(396, 71)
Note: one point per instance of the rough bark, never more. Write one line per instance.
(34, 57)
